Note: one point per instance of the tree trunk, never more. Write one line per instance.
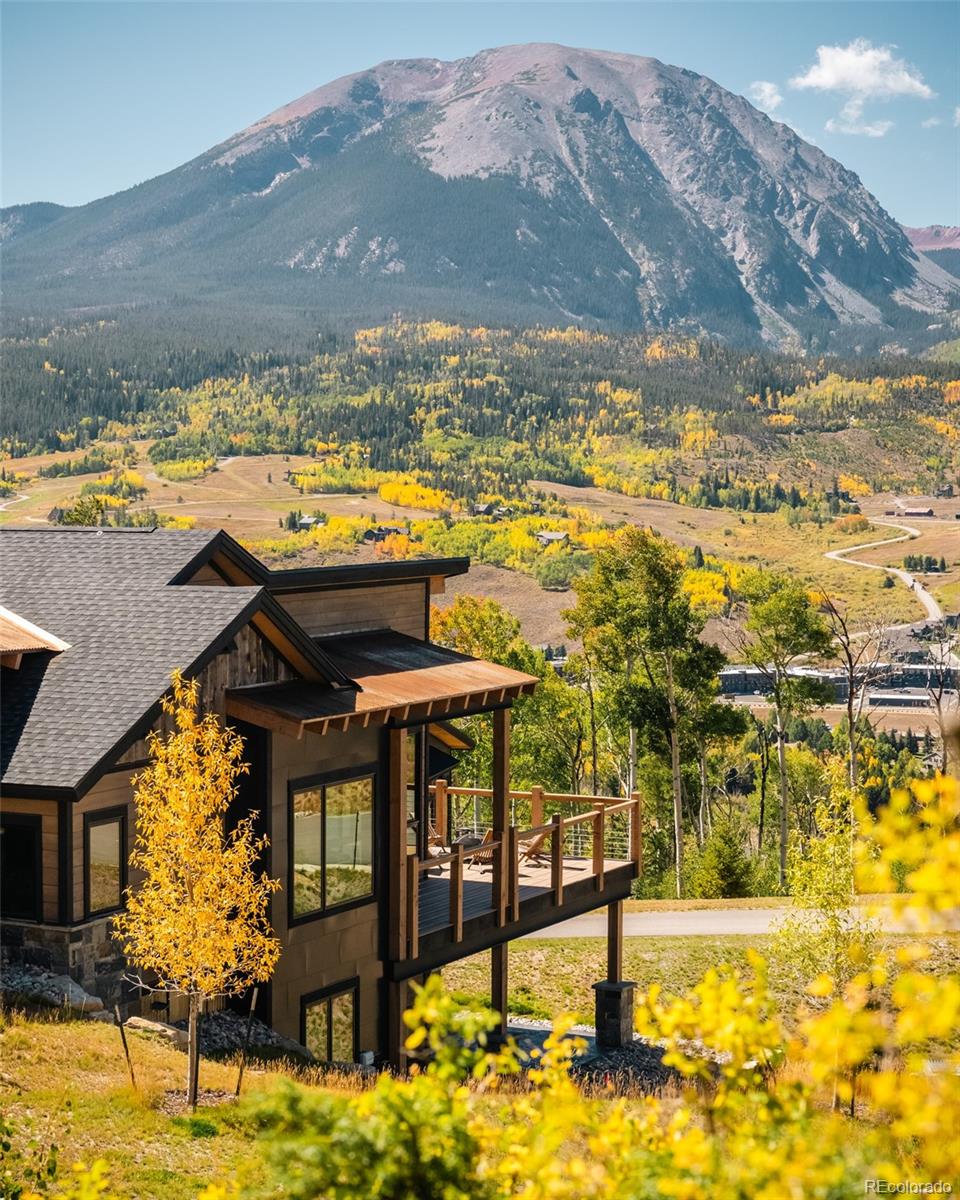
(764, 771)
(784, 798)
(632, 763)
(851, 719)
(704, 816)
(193, 1052)
(677, 780)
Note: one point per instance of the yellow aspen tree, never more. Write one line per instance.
(198, 923)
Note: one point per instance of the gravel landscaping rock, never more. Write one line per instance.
(631, 1069)
(222, 1034)
(24, 982)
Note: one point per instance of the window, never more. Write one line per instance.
(331, 843)
(20, 867)
(105, 861)
(330, 1025)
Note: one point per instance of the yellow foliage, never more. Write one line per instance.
(409, 494)
(198, 922)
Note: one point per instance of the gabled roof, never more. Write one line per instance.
(64, 714)
(112, 595)
(129, 606)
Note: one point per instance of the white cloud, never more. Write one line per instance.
(851, 120)
(956, 116)
(862, 72)
(862, 69)
(930, 123)
(765, 95)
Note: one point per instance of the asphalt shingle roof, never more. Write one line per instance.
(106, 595)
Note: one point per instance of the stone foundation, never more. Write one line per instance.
(87, 953)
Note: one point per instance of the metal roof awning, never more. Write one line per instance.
(396, 677)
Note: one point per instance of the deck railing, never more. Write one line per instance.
(605, 829)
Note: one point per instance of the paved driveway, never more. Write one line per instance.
(715, 922)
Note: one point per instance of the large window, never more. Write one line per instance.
(105, 861)
(331, 844)
(330, 1025)
(20, 862)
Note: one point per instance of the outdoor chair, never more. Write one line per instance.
(535, 850)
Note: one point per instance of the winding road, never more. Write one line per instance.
(933, 609)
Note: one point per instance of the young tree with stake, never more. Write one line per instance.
(197, 925)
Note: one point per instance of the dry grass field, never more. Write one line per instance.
(249, 497)
(761, 540)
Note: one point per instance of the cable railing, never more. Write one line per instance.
(600, 831)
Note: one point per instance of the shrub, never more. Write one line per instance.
(721, 870)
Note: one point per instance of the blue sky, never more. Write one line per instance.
(99, 96)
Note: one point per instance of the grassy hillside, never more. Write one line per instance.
(65, 1082)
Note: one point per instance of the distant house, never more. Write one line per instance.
(482, 510)
(917, 512)
(344, 706)
(310, 523)
(380, 533)
(944, 491)
(550, 537)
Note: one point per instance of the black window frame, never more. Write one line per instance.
(32, 821)
(104, 816)
(370, 771)
(329, 994)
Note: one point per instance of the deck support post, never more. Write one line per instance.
(396, 1030)
(501, 810)
(614, 995)
(615, 941)
(397, 844)
(499, 957)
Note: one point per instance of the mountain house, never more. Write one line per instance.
(348, 715)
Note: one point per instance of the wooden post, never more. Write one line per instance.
(397, 844)
(413, 903)
(126, 1048)
(615, 941)
(536, 806)
(598, 852)
(501, 809)
(396, 1030)
(456, 893)
(556, 859)
(636, 832)
(246, 1038)
(513, 860)
(441, 812)
(498, 987)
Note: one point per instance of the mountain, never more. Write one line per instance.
(940, 243)
(934, 237)
(530, 182)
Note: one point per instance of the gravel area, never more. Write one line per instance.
(636, 1068)
(222, 1034)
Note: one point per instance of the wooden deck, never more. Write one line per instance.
(534, 881)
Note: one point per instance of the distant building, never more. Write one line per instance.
(482, 510)
(917, 512)
(549, 537)
(380, 533)
(310, 522)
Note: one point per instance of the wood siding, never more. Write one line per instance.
(253, 660)
(49, 841)
(401, 606)
(207, 576)
(328, 950)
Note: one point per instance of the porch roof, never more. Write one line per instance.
(396, 677)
